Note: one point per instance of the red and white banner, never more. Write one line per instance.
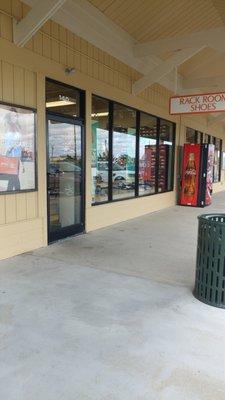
(197, 103)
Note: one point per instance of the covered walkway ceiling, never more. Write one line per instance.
(163, 27)
(149, 20)
(167, 41)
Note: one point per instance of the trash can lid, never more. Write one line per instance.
(216, 218)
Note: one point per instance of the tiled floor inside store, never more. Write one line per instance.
(111, 316)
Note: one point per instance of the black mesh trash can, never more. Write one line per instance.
(210, 264)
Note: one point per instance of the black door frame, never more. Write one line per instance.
(77, 228)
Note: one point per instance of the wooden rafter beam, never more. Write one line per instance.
(33, 21)
(163, 69)
(210, 38)
(86, 21)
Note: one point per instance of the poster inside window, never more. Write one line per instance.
(17, 149)
(124, 151)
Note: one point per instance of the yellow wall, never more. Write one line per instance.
(23, 217)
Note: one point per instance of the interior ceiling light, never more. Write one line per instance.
(59, 103)
(100, 114)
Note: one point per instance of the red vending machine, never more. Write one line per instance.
(197, 175)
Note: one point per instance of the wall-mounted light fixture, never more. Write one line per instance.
(70, 70)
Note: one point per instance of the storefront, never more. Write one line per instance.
(86, 152)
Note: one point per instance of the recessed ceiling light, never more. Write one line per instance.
(59, 103)
(100, 114)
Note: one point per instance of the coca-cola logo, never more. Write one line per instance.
(190, 172)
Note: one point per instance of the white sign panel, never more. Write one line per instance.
(197, 103)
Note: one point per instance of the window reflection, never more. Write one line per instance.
(147, 154)
(206, 138)
(199, 137)
(165, 171)
(64, 174)
(193, 136)
(115, 174)
(190, 135)
(100, 149)
(124, 152)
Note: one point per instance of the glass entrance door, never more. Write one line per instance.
(65, 177)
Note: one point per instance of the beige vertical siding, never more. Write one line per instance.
(19, 213)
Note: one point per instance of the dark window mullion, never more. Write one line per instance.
(137, 153)
(173, 157)
(157, 157)
(110, 196)
(201, 137)
(212, 141)
(220, 160)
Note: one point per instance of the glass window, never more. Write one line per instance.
(124, 152)
(62, 99)
(190, 135)
(166, 156)
(117, 173)
(206, 138)
(199, 137)
(64, 174)
(100, 149)
(147, 154)
(217, 160)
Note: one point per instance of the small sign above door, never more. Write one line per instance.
(197, 103)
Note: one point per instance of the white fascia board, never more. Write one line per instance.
(163, 69)
(34, 20)
(207, 82)
(210, 38)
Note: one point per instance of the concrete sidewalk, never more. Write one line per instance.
(110, 316)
